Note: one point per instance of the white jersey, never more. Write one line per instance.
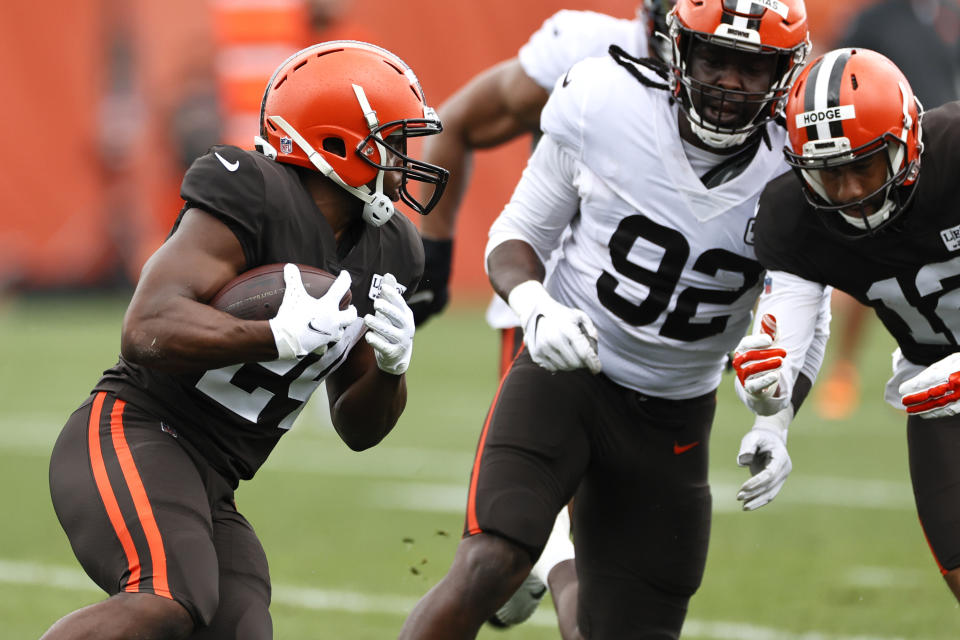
(567, 37)
(664, 267)
(564, 39)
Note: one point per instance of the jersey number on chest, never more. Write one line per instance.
(679, 323)
(271, 393)
(930, 308)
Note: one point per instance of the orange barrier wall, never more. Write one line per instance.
(90, 185)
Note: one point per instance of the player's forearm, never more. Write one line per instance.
(183, 335)
(368, 410)
(511, 263)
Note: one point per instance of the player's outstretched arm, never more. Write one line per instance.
(168, 326)
(762, 367)
(498, 105)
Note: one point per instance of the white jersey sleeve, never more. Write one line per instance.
(543, 203)
(565, 38)
(818, 346)
(802, 310)
(569, 36)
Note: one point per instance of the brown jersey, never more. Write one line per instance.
(235, 415)
(909, 271)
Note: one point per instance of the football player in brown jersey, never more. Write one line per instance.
(871, 208)
(143, 473)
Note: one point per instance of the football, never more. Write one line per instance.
(257, 294)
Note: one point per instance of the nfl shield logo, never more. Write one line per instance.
(286, 145)
(767, 284)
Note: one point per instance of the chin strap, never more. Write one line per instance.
(377, 207)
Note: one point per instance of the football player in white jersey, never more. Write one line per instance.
(648, 185)
(504, 102)
(496, 106)
(872, 209)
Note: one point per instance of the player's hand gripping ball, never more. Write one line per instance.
(308, 308)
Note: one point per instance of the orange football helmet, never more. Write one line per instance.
(332, 107)
(764, 27)
(847, 105)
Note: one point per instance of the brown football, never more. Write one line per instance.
(257, 294)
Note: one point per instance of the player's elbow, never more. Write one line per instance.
(136, 344)
(363, 438)
(362, 428)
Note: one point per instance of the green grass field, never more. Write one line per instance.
(355, 538)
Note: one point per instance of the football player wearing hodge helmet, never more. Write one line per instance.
(860, 214)
(143, 474)
(612, 397)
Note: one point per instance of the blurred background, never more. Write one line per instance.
(106, 104)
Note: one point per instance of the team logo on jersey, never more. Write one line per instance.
(286, 145)
(229, 166)
(375, 287)
(951, 238)
(748, 232)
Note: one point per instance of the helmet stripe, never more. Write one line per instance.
(833, 90)
(823, 91)
(736, 15)
(808, 94)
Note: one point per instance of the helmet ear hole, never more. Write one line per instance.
(335, 146)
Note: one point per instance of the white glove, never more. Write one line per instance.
(559, 338)
(764, 450)
(757, 362)
(935, 391)
(304, 323)
(391, 328)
